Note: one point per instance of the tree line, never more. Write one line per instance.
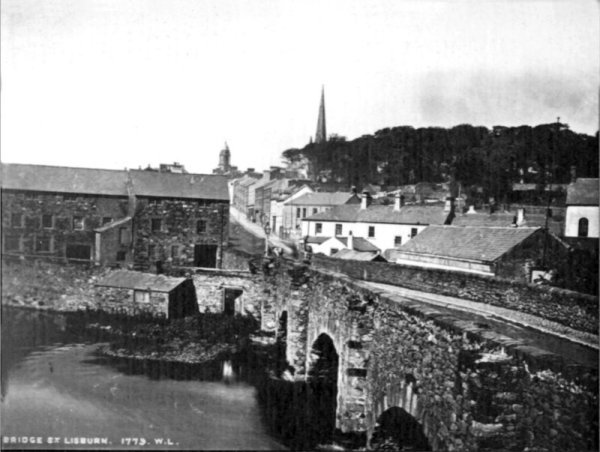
(487, 161)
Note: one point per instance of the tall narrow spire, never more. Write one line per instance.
(321, 135)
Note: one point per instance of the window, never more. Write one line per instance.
(201, 226)
(156, 224)
(333, 251)
(123, 236)
(121, 256)
(12, 243)
(371, 231)
(106, 220)
(298, 213)
(30, 195)
(43, 244)
(583, 227)
(174, 251)
(152, 201)
(303, 212)
(318, 228)
(141, 296)
(151, 251)
(16, 220)
(397, 241)
(47, 221)
(413, 232)
(338, 229)
(314, 210)
(77, 223)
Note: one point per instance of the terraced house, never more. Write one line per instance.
(136, 218)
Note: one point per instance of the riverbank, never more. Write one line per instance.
(197, 339)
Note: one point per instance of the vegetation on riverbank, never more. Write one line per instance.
(201, 338)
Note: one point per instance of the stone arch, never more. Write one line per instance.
(396, 429)
(402, 394)
(323, 375)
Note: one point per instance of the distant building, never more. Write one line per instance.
(583, 209)
(280, 210)
(296, 209)
(144, 219)
(241, 193)
(513, 253)
(331, 245)
(384, 226)
(225, 168)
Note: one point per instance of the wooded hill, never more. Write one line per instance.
(482, 160)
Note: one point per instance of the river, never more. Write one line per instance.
(58, 393)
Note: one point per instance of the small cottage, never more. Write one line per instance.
(159, 295)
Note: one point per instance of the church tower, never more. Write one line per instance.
(225, 160)
(321, 135)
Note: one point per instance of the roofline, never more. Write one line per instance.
(461, 259)
(68, 167)
(370, 222)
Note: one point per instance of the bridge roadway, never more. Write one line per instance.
(574, 346)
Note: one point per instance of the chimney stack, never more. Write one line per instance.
(471, 209)
(350, 241)
(573, 173)
(365, 201)
(520, 216)
(398, 203)
(448, 205)
(353, 190)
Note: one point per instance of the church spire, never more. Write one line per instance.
(321, 135)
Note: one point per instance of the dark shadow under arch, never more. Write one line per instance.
(322, 381)
(398, 430)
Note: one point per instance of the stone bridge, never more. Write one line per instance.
(424, 377)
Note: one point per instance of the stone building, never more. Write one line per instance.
(138, 218)
(506, 252)
(583, 211)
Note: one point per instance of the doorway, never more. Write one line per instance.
(205, 256)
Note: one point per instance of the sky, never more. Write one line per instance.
(128, 83)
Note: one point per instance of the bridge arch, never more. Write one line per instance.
(396, 429)
(323, 371)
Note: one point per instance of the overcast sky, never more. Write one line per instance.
(127, 83)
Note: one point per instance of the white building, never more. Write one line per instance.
(278, 209)
(385, 227)
(295, 209)
(582, 209)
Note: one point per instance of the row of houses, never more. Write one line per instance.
(134, 218)
(500, 243)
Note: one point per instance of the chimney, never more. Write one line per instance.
(471, 209)
(398, 202)
(520, 216)
(448, 205)
(267, 175)
(573, 173)
(365, 201)
(353, 190)
(350, 241)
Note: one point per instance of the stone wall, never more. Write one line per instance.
(122, 301)
(32, 206)
(174, 241)
(576, 310)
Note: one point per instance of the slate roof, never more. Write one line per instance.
(62, 179)
(465, 242)
(174, 185)
(358, 255)
(505, 219)
(318, 240)
(126, 279)
(583, 192)
(383, 214)
(322, 199)
(359, 244)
